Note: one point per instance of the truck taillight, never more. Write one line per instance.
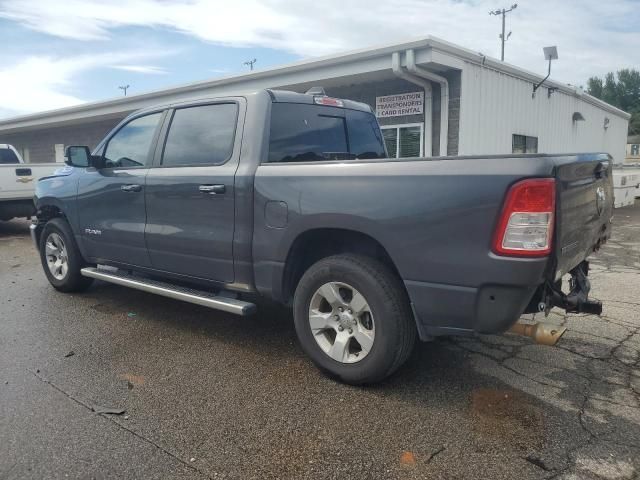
(525, 227)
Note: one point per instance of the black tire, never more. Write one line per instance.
(395, 330)
(72, 281)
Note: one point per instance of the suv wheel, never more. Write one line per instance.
(353, 319)
(61, 259)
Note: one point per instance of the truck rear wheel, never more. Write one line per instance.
(61, 259)
(353, 318)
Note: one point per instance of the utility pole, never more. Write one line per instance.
(124, 89)
(503, 12)
(250, 63)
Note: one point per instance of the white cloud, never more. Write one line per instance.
(147, 69)
(592, 36)
(35, 83)
(38, 83)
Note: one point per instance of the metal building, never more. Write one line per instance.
(431, 97)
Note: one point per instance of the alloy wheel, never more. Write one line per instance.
(341, 322)
(56, 255)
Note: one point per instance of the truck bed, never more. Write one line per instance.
(436, 219)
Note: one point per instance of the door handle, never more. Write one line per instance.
(212, 189)
(131, 188)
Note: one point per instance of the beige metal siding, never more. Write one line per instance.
(496, 105)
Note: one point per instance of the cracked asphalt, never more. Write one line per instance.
(209, 395)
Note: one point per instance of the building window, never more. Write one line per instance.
(525, 144)
(58, 150)
(404, 140)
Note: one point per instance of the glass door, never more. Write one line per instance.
(404, 141)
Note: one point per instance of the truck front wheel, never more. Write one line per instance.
(353, 318)
(61, 259)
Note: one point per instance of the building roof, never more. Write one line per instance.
(121, 105)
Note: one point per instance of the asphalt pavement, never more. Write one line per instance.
(210, 395)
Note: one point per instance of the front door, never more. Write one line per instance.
(190, 193)
(111, 204)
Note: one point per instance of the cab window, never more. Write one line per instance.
(7, 156)
(201, 135)
(131, 145)
(314, 133)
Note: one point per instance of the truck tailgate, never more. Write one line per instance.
(584, 208)
(17, 181)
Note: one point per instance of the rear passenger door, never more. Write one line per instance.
(190, 192)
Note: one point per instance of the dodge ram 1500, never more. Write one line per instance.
(292, 196)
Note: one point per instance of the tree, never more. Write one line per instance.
(621, 90)
(594, 87)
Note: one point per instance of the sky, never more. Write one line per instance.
(60, 53)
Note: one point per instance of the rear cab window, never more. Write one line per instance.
(8, 157)
(313, 133)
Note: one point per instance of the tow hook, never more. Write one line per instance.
(541, 333)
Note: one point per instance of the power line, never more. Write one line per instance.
(503, 12)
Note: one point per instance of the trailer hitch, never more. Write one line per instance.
(577, 300)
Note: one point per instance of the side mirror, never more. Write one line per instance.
(77, 156)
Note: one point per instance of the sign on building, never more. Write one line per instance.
(398, 105)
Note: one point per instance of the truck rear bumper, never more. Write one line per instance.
(16, 208)
(454, 310)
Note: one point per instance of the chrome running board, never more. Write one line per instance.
(198, 297)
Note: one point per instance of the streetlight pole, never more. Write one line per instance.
(250, 63)
(503, 39)
(502, 36)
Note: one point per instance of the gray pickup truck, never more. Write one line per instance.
(291, 196)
